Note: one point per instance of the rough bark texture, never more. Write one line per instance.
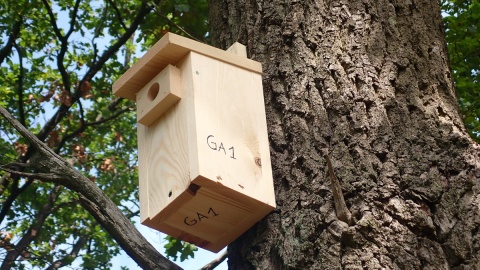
(370, 81)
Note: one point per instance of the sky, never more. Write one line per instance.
(202, 257)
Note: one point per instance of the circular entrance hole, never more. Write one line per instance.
(153, 91)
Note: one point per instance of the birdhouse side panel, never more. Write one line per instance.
(188, 74)
(232, 137)
(163, 160)
(142, 174)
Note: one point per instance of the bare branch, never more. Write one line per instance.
(63, 48)
(121, 229)
(341, 208)
(53, 20)
(96, 203)
(119, 15)
(63, 109)
(64, 41)
(115, 115)
(84, 126)
(74, 18)
(144, 10)
(34, 231)
(47, 177)
(79, 244)
(21, 109)
(133, 214)
(172, 23)
(5, 51)
(82, 114)
(211, 265)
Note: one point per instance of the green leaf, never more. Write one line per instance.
(173, 247)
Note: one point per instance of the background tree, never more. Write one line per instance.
(462, 20)
(58, 61)
(367, 85)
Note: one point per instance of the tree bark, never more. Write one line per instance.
(370, 82)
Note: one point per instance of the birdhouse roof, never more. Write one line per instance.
(170, 49)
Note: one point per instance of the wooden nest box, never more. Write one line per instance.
(204, 161)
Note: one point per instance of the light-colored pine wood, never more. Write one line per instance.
(204, 163)
(230, 115)
(163, 161)
(157, 96)
(238, 49)
(165, 149)
(170, 49)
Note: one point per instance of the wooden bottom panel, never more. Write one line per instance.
(210, 218)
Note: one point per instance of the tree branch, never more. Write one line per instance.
(211, 265)
(84, 126)
(74, 18)
(53, 20)
(5, 51)
(68, 259)
(21, 110)
(144, 10)
(33, 232)
(119, 15)
(95, 202)
(172, 23)
(63, 48)
(46, 177)
(83, 239)
(64, 41)
(63, 109)
(14, 193)
(113, 116)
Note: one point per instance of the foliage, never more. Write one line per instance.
(175, 246)
(58, 61)
(462, 23)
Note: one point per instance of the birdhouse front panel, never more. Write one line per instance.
(204, 164)
(231, 130)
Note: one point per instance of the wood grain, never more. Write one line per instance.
(204, 163)
(170, 49)
(238, 49)
(157, 96)
(229, 106)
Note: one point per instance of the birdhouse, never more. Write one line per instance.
(204, 161)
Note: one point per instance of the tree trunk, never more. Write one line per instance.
(369, 81)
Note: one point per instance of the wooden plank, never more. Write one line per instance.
(209, 215)
(168, 170)
(209, 219)
(238, 49)
(231, 129)
(158, 95)
(164, 150)
(170, 49)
